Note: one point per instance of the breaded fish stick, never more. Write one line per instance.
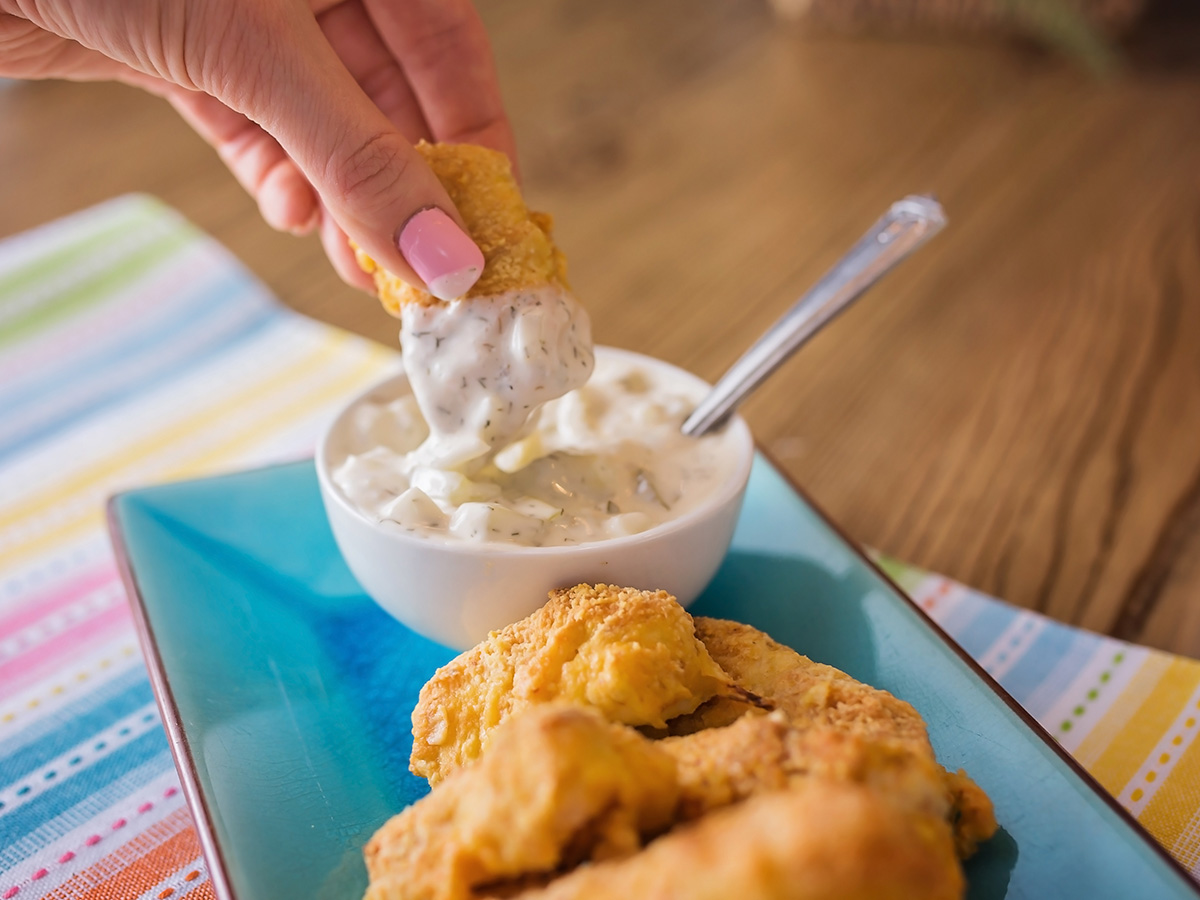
(808, 692)
(763, 754)
(518, 251)
(631, 655)
(482, 364)
(558, 786)
(821, 841)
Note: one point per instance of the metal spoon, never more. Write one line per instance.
(905, 227)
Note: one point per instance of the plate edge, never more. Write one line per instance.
(181, 752)
(1023, 714)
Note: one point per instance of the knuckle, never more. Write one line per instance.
(370, 173)
(26, 51)
(451, 34)
(380, 80)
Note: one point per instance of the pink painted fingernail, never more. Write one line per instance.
(441, 253)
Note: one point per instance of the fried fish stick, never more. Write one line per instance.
(518, 250)
(761, 754)
(821, 841)
(481, 365)
(558, 786)
(631, 655)
(807, 691)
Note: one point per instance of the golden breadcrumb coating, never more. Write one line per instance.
(542, 789)
(761, 754)
(808, 692)
(558, 786)
(719, 766)
(633, 655)
(820, 841)
(518, 249)
(826, 700)
(972, 813)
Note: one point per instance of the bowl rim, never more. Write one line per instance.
(729, 490)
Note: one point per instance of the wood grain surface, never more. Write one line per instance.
(1018, 407)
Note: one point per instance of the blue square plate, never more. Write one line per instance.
(286, 692)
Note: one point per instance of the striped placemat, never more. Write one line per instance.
(135, 349)
(132, 349)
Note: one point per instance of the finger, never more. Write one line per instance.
(353, 37)
(284, 196)
(279, 71)
(444, 50)
(337, 248)
(30, 51)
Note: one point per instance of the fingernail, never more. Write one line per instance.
(441, 253)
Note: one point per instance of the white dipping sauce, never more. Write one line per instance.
(601, 461)
(480, 367)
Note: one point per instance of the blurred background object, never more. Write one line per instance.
(1017, 407)
(1111, 17)
(1080, 27)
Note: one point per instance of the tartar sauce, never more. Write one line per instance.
(480, 367)
(603, 460)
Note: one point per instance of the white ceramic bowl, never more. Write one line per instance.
(456, 592)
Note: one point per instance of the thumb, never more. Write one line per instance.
(281, 72)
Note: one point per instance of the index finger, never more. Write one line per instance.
(444, 51)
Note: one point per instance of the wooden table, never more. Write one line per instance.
(1018, 407)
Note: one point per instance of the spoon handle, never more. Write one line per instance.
(905, 227)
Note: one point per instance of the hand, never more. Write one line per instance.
(312, 106)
